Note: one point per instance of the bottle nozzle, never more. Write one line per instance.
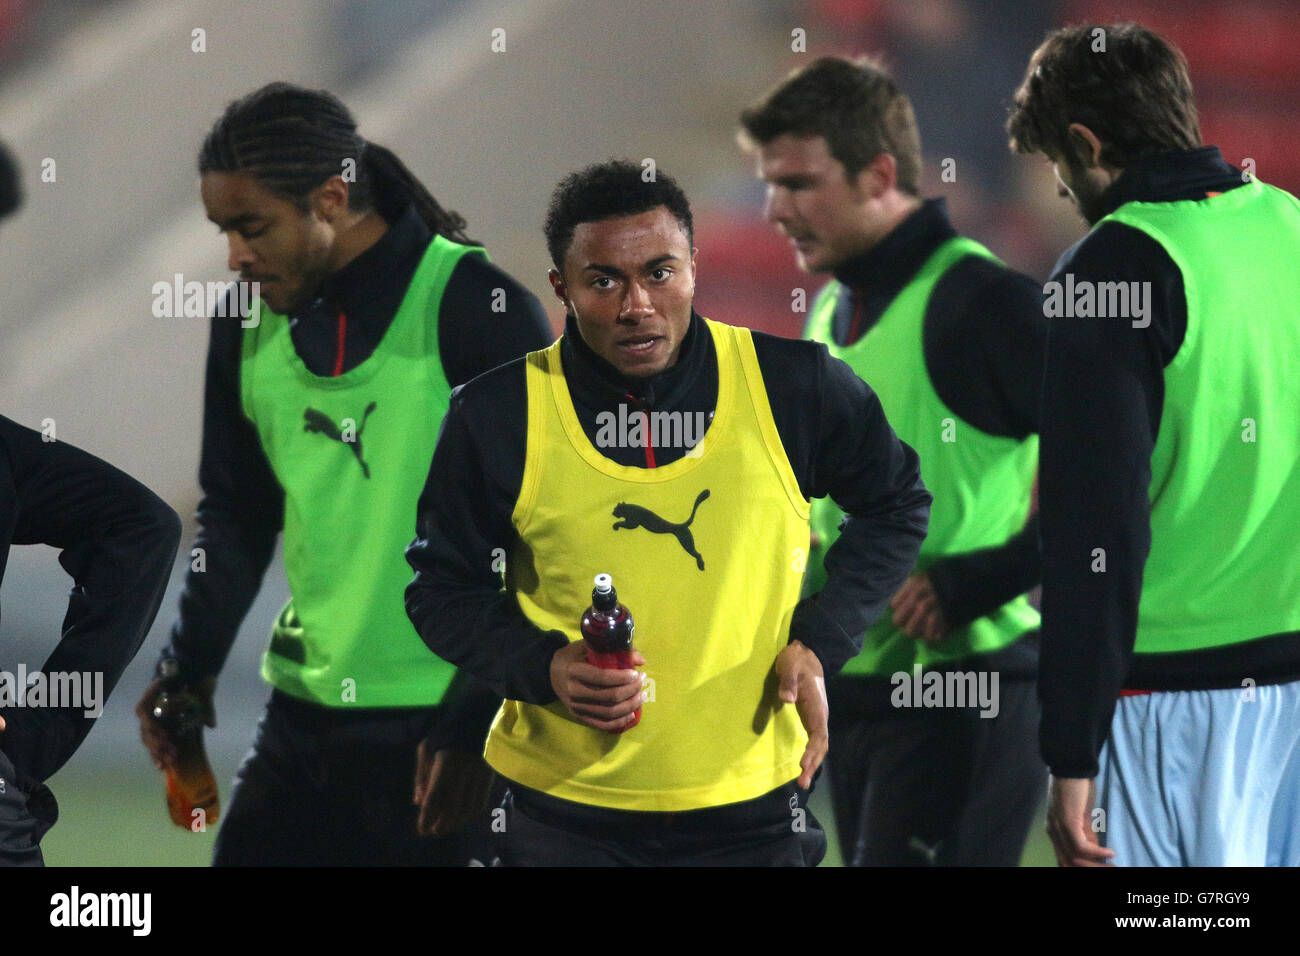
(603, 596)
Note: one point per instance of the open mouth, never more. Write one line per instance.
(638, 344)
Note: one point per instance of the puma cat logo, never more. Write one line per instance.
(634, 516)
(320, 422)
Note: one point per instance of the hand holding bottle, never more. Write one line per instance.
(172, 717)
(608, 700)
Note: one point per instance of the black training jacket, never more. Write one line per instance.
(117, 540)
(834, 434)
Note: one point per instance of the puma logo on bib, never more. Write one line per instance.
(634, 516)
(315, 421)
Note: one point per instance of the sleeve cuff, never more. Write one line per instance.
(818, 632)
(462, 724)
(534, 684)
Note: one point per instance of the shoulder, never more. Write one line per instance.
(1113, 248)
(1282, 195)
(477, 282)
(979, 296)
(801, 371)
(495, 391)
(784, 355)
(982, 278)
(475, 268)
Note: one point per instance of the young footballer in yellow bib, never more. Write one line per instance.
(679, 455)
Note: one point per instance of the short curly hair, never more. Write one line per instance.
(610, 190)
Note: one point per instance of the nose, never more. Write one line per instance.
(636, 304)
(240, 254)
(776, 204)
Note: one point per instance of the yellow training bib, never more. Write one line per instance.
(707, 553)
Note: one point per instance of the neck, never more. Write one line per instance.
(895, 207)
(610, 377)
(898, 206)
(354, 239)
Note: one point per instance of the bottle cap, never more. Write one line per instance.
(603, 597)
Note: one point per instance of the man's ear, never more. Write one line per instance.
(1085, 144)
(877, 177)
(329, 200)
(558, 287)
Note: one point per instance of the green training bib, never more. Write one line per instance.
(981, 483)
(1225, 472)
(352, 453)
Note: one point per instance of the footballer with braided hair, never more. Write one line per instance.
(373, 304)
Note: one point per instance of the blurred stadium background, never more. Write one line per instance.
(114, 92)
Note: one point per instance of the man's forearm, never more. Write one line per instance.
(229, 560)
(240, 517)
(868, 562)
(464, 715)
(876, 480)
(1102, 403)
(118, 542)
(485, 633)
(977, 583)
(456, 601)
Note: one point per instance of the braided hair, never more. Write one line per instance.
(292, 139)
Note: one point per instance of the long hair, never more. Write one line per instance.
(292, 139)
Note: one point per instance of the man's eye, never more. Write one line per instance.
(252, 235)
(661, 273)
(603, 282)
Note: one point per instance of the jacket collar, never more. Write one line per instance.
(891, 263)
(1172, 176)
(595, 383)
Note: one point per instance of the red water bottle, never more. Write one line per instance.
(607, 631)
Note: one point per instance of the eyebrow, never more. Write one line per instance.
(792, 179)
(236, 221)
(614, 271)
